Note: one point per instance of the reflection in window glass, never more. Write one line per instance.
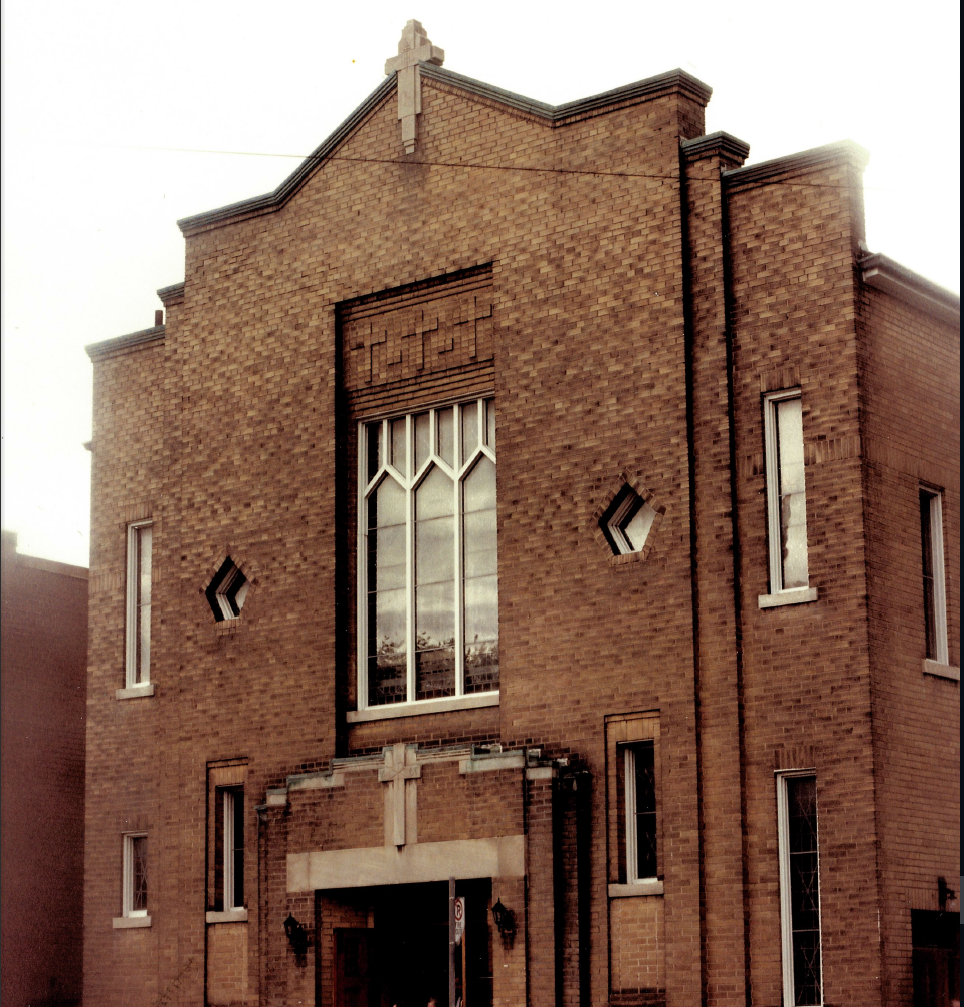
(431, 619)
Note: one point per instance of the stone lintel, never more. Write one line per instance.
(496, 857)
(490, 763)
(315, 781)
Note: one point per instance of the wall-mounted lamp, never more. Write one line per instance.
(503, 919)
(297, 935)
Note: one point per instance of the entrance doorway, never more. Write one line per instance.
(400, 958)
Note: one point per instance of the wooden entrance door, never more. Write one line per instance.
(355, 972)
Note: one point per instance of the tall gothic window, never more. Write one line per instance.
(428, 612)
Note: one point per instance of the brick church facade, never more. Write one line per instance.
(529, 515)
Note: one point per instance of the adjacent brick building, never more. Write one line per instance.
(673, 709)
(42, 706)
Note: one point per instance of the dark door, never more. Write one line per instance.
(355, 973)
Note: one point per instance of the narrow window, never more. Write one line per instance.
(640, 811)
(135, 874)
(932, 566)
(428, 597)
(139, 538)
(230, 851)
(786, 491)
(799, 889)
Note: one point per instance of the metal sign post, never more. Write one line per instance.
(451, 942)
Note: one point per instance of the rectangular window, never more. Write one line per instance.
(932, 565)
(799, 888)
(786, 490)
(639, 819)
(229, 855)
(633, 782)
(139, 537)
(135, 875)
(428, 595)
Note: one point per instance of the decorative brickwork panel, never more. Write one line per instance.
(417, 330)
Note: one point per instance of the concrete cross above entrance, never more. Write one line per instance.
(399, 800)
(414, 48)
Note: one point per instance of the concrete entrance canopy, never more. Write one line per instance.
(497, 857)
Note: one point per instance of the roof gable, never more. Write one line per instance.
(675, 81)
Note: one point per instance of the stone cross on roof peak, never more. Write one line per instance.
(414, 47)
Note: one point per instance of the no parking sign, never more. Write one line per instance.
(459, 910)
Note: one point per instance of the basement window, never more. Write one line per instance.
(627, 522)
(227, 591)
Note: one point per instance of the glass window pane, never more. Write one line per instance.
(435, 550)
(481, 609)
(470, 429)
(386, 506)
(386, 558)
(445, 420)
(373, 436)
(927, 566)
(479, 486)
(435, 616)
(793, 501)
(399, 446)
(435, 673)
(387, 679)
(423, 439)
(490, 423)
(138, 850)
(388, 611)
(481, 666)
(790, 435)
(435, 496)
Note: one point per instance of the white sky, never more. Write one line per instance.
(91, 90)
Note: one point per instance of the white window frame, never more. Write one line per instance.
(779, 595)
(936, 546)
(457, 473)
(230, 795)
(786, 901)
(630, 751)
(129, 911)
(137, 664)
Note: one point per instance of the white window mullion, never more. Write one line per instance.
(629, 776)
(457, 567)
(361, 606)
(409, 564)
(228, 850)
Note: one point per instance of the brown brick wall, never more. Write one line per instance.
(910, 410)
(806, 667)
(42, 673)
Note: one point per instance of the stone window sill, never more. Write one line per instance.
(795, 596)
(652, 886)
(392, 710)
(130, 922)
(942, 670)
(136, 691)
(230, 916)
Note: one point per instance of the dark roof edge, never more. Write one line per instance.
(672, 79)
(640, 90)
(173, 294)
(52, 566)
(108, 347)
(878, 271)
(720, 142)
(805, 160)
(273, 200)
